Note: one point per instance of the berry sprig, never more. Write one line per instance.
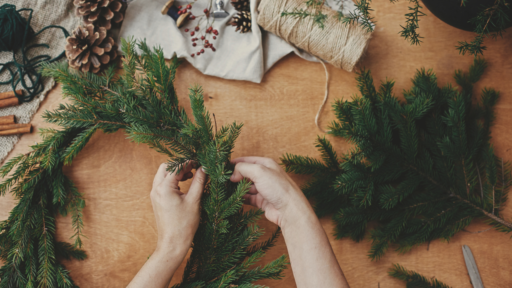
(200, 38)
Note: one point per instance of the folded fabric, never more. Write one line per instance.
(46, 12)
(239, 56)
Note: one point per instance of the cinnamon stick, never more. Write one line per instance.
(5, 120)
(13, 126)
(9, 102)
(10, 94)
(16, 131)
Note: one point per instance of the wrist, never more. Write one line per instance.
(170, 249)
(298, 214)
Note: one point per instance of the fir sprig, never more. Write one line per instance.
(314, 10)
(422, 169)
(412, 23)
(361, 16)
(490, 23)
(414, 279)
(143, 102)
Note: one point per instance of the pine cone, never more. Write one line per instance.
(89, 50)
(241, 5)
(242, 21)
(99, 12)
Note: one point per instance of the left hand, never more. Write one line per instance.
(177, 214)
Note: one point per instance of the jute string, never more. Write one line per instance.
(326, 96)
(338, 44)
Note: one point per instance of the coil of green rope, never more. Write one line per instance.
(15, 33)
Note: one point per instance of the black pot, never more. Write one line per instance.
(452, 13)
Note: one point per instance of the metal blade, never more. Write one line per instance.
(474, 275)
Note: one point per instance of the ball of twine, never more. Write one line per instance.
(15, 29)
(337, 43)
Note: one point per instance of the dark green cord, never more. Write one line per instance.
(13, 26)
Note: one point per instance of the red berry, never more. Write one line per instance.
(198, 53)
(192, 17)
(192, 33)
(202, 51)
(213, 49)
(214, 37)
(179, 7)
(179, 12)
(205, 10)
(206, 41)
(186, 29)
(215, 32)
(197, 28)
(189, 6)
(202, 37)
(192, 55)
(194, 44)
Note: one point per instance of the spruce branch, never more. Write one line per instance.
(490, 23)
(361, 16)
(422, 168)
(412, 23)
(413, 279)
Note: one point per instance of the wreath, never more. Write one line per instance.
(142, 101)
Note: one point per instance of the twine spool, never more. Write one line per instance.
(171, 10)
(337, 43)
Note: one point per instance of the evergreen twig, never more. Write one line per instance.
(413, 279)
(415, 168)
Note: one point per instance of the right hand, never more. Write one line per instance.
(273, 191)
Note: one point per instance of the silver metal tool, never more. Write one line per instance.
(474, 275)
(219, 11)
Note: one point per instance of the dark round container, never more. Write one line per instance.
(452, 13)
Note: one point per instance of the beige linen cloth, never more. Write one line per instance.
(46, 12)
(239, 56)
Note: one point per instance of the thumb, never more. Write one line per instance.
(196, 188)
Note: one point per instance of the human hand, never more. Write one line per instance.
(177, 214)
(273, 191)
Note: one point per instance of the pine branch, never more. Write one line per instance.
(413, 279)
(412, 23)
(361, 16)
(422, 169)
(490, 23)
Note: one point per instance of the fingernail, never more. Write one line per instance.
(202, 169)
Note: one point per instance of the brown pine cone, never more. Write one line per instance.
(241, 5)
(88, 50)
(100, 12)
(242, 21)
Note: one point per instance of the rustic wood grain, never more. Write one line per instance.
(115, 175)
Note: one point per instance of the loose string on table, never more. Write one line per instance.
(25, 71)
(326, 96)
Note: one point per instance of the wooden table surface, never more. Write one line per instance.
(115, 175)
